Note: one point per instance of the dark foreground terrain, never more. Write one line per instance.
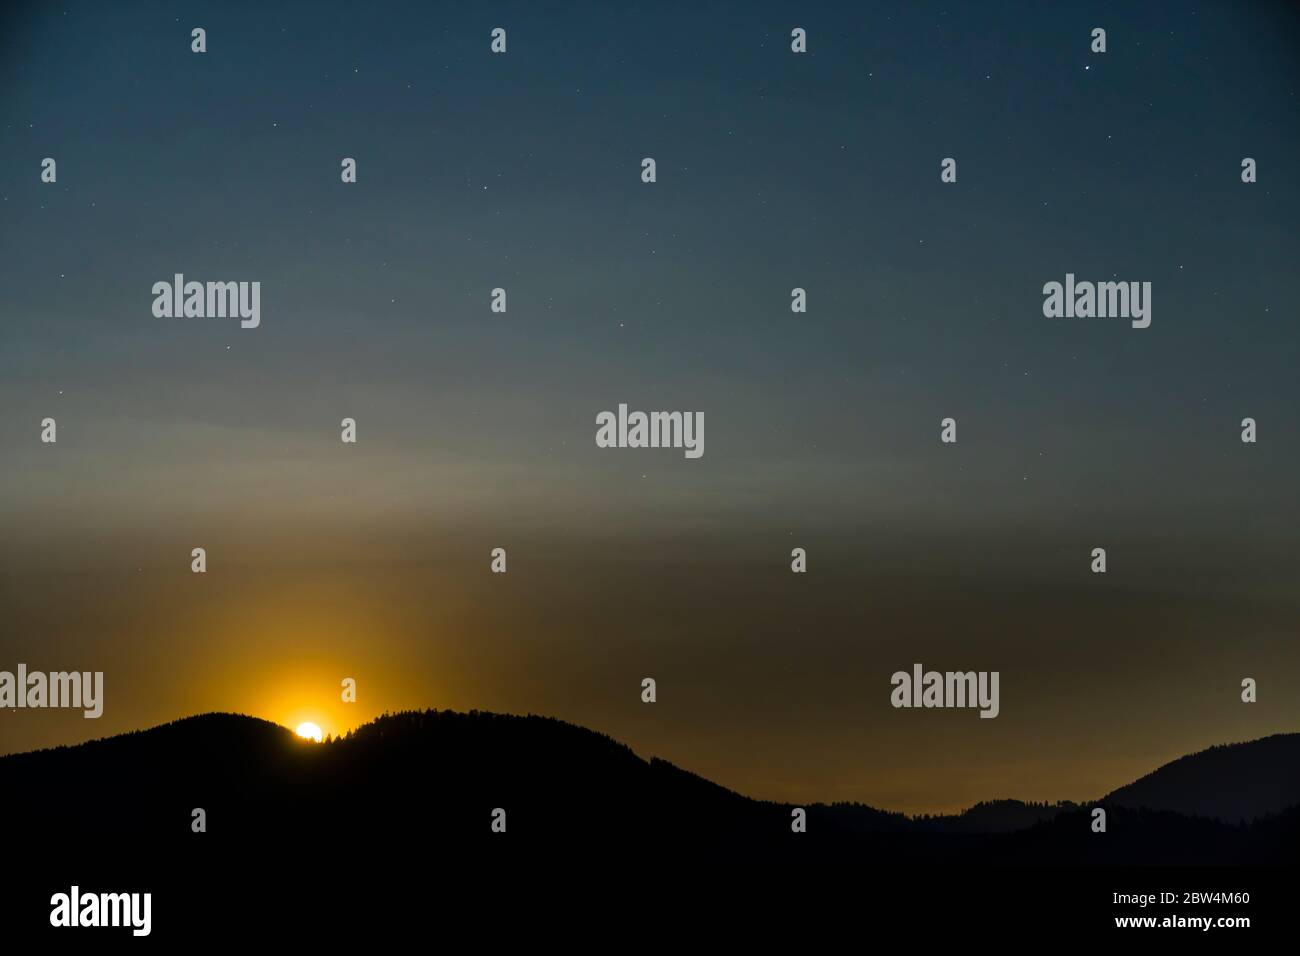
(403, 809)
(433, 780)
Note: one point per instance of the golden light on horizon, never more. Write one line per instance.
(310, 730)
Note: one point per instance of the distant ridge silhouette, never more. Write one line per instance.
(1229, 782)
(431, 779)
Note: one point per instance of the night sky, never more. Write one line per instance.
(476, 430)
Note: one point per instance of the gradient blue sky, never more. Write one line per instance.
(477, 430)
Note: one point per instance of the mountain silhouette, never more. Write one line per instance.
(1229, 782)
(995, 816)
(430, 781)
